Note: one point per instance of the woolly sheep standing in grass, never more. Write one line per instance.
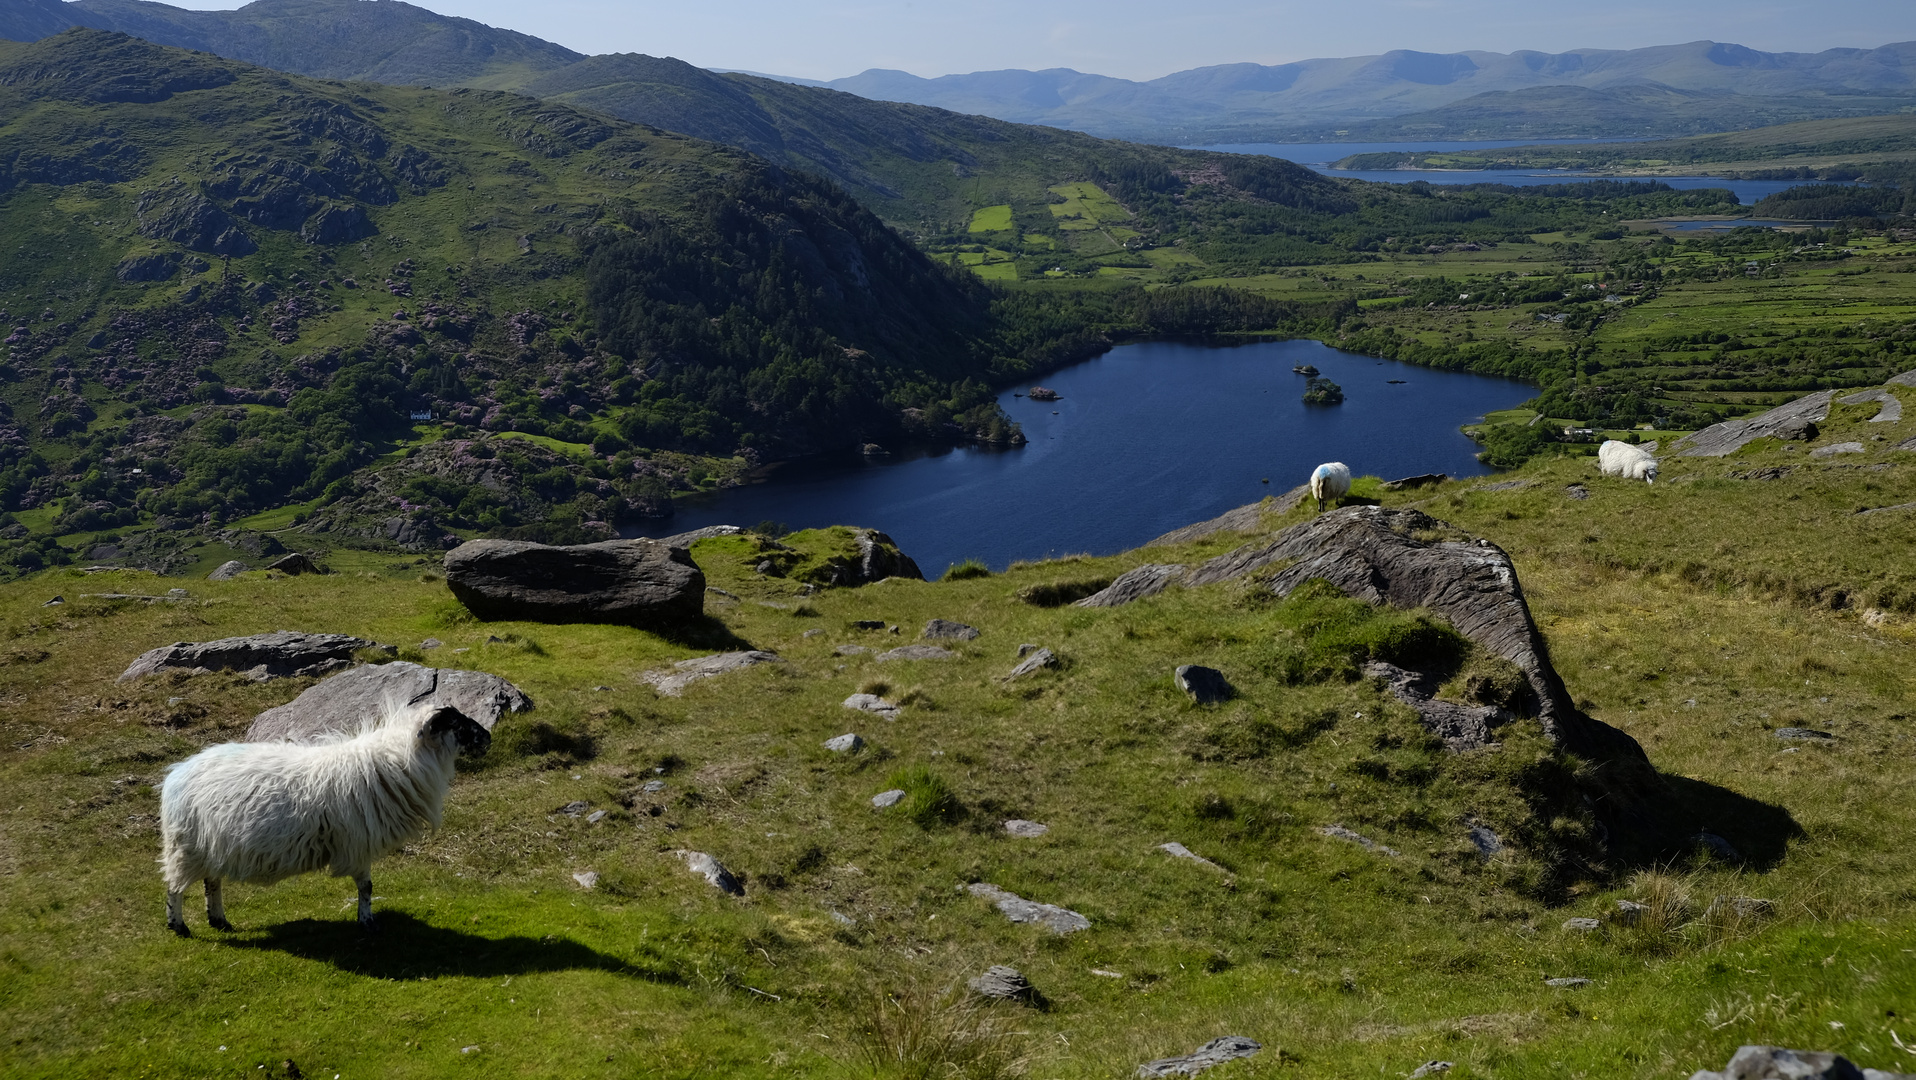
(1621, 459)
(1331, 480)
(268, 811)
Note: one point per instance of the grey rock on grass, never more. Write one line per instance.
(295, 564)
(1837, 448)
(587, 879)
(1629, 912)
(873, 704)
(1211, 1054)
(1338, 832)
(1178, 850)
(1777, 1063)
(1802, 733)
(228, 570)
(671, 682)
(849, 743)
(1206, 686)
(1001, 982)
(1795, 420)
(1135, 584)
(338, 704)
(887, 799)
(1570, 982)
(278, 655)
(953, 631)
(851, 650)
(1019, 910)
(1891, 406)
(1582, 925)
(917, 652)
(1431, 1068)
(713, 871)
(1462, 727)
(1026, 830)
(635, 582)
(1037, 661)
(1486, 842)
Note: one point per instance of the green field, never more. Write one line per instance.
(991, 219)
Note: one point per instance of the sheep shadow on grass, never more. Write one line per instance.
(407, 948)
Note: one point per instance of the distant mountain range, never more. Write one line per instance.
(1694, 88)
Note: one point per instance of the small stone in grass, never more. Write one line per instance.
(1583, 925)
(653, 786)
(587, 879)
(1207, 686)
(813, 632)
(851, 650)
(917, 652)
(1568, 983)
(944, 628)
(713, 871)
(848, 743)
(574, 808)
(1026, 829)
(1629, 911)
(431, 643)
(1037, 661)
(1215, 1052)
(888, 798)
(595, 817)
(1431, 1068)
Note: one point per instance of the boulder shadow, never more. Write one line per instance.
(704, 632)
(1760, 832)
(406, 948)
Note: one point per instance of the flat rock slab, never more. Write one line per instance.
(1019, 910)
(713, 871)
(1211, 1054)
(886, 799)
(1338, 832)
(228, 570)
(1803, 733)
(339, 704)
(1777, 1063)
(1243, 519)
(278, 655)
(1135, 584)
(1027, 830)
(873, 704)
(687, 539)
(1408, 559)
(671, 682)
(1206, 686)
(1837, 448)
(851, 650)
(1582, 925)
(1033, 662)
(953, 631)
(1001, 982)
(1567, 983)
(1784, 421)
(1892, 406)
(849, 743)
(1462, 727)
(1177, 850)
(917, 652)
(636, 582)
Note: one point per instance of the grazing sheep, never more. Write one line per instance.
(268, 811)
(1621, 459)
(1331, 480)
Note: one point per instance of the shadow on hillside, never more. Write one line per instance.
(406, 948)
(705, 632)
(1761, 832)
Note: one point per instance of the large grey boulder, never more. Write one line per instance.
(638, 582)
(341, 703)
(1776, 1063)
(1407, 559)
(1794, 420)
(227, 570)
(672, 681)
(278, 655)
(876, 557)
(1135, 584)
(1215, 1052)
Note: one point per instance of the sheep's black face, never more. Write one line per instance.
(471, 735)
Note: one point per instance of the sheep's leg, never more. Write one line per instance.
(365, 882)
(216, 906)
(175, 921)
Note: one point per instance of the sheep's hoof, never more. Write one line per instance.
(178, 928)
(369, 925)
(219, 924)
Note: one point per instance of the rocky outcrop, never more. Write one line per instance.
(1215, 1052)
(1891, 406)
(687, 539)
(1783, 422)
(278, 655)
(637, 582)
(1243, 519)
(948, 630)
(343, 702)
(1001, 982)
(1019, 910)
(879, 558)
(227, 570)
(1408, 559)
(671, 682)
(1462, 727)
(1135, 584)
(1776, 1063)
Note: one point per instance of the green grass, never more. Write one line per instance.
(1696, 614)
(991, 219)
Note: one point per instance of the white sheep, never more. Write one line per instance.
(1331, 480)
(268, 811)
(1621, 459)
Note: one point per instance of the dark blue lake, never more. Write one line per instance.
(1146, 438)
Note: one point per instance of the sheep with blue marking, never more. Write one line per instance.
(1331, 480)
(1616, 458)
(264, 812)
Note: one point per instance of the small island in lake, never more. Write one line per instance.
(1306, 369)
(1323, 392)
(1039, 393)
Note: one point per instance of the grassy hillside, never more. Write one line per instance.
(1697, 614)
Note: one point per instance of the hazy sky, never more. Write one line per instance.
(1142, 39)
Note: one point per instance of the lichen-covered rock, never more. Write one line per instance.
(278, 655)
(1135, 584)
(1213, 1053)
(1001, 982)
(948, 630)
(340, 703)
(636, 582)
(672, 681)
